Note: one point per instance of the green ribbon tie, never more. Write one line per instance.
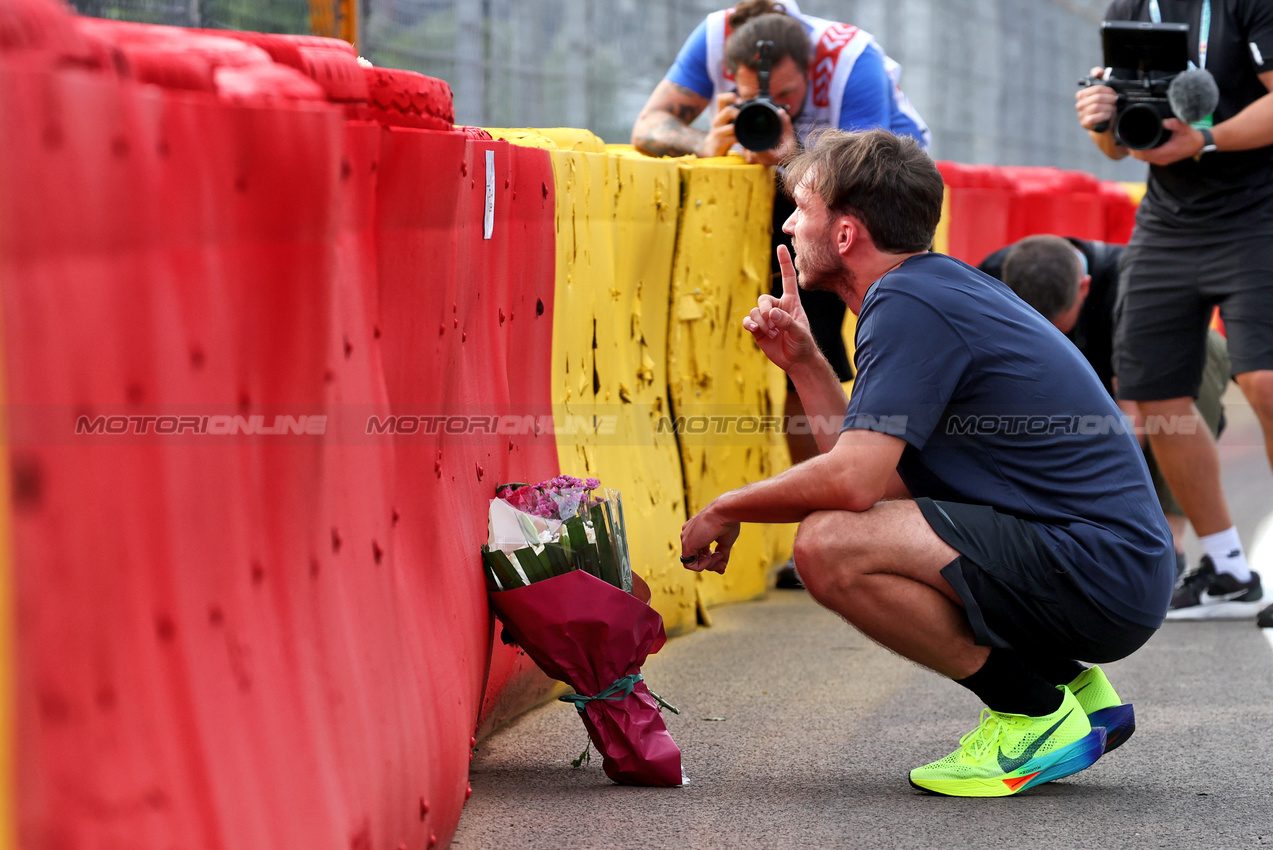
(619, 690)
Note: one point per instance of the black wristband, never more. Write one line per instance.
(1208, 142)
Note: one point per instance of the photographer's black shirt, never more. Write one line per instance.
(1224, 190)
(1093, 332)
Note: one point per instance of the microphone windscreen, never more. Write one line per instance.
(1193, 95)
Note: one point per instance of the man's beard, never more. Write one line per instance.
(820, 269)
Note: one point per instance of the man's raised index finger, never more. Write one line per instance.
(789, 286)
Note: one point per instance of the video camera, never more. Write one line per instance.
(758, 125)
(1144, 102)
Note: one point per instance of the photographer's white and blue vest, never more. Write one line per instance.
(836, 47)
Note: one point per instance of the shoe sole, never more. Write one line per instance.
(1119, 722)
(1218, 611)
(1066, 761)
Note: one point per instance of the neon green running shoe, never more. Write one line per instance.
(1008, 753)
(1099, 699)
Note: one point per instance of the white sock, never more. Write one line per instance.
(1225, 550)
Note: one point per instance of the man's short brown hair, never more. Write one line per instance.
(766, 21)
(1044, 271)
(885, 181)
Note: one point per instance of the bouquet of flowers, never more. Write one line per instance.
(552, 528)
(560, 579)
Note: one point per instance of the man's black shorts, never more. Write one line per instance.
(1168, 285)
(1018, 593)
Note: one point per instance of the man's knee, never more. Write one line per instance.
(820, 555)
(812, 538)
(1258, 389)
(1164, 419)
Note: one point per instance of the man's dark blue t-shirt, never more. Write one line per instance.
(999, 409)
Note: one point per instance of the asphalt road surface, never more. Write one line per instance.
(797, 731)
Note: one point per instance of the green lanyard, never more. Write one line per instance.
(1204, 27)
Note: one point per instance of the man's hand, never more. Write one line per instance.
(787, 145)
(1185, 141)
(779, 325)
(697, 536)
(720, 138)
(1095, 104)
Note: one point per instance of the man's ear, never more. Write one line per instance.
(846, 233)
(1085, 287)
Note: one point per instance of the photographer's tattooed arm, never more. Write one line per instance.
(662, 128)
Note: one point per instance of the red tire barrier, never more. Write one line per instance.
(990, 207)
(169, 66)
(260, 86)
(980, 209)
(40, 25)
(407, 99)
(330, 62)
(1050, 200)
(1120, 213)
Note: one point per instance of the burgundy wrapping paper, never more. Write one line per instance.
(587, 633)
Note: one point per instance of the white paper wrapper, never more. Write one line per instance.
(509, 529)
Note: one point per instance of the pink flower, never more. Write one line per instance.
(547, 499)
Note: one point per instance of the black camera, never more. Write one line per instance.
(1139, 113)
(1146, 65)
(758, 125)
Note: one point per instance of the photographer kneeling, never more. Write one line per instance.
(1203, 237)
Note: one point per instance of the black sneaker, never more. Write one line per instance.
(1205, 594)
(1265, 618)
(788, 578)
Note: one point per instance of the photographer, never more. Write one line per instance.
(1204, 236)
(823, 75)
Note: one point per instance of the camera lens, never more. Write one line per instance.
(758, 126)
(1140, 128)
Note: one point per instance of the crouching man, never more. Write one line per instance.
(980, 513)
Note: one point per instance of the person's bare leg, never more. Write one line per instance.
(1258, 389)
(1177, 523)
(1189, 462)
(881, 570)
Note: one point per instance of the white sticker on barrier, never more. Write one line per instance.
(488, 224)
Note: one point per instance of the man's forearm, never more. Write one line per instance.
(662, 134)
(823, 399)
(1249, 129)
(1111, 148)
(789, 496)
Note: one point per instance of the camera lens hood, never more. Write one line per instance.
(758, 125)
(1139, 127)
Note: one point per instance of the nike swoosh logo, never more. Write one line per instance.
(1007, 765)
(1080, 690)
(1209, 597)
